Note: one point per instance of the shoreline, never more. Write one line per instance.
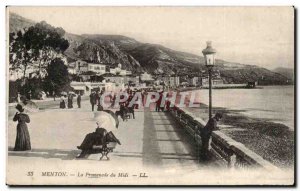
(233, 87)
(273, 141)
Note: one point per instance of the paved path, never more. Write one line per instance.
(152, 141)
(157, 140)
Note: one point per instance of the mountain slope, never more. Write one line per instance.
(287, 72)
(16, 23)
(155, 59)
(104, 52)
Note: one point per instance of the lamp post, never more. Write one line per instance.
(209, 56)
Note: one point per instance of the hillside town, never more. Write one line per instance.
(93, 103)
(87, 76)
(112, 62)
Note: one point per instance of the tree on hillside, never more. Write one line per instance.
(35, 47)
(20, 56)
(57, 78)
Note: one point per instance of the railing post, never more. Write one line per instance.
(232, 153)
(232, 161)
(195, 131)
(209, 143)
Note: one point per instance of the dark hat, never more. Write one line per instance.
(100, 130)
(20, 108)
(219, 115)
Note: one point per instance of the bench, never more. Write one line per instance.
(104, 150)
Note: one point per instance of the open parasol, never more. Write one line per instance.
(114, 116)
(29, 106)
(105, 120)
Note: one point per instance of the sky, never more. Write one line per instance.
(262, 36)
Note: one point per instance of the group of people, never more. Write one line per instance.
(22, 142)
(66, 101)
(95, 99)
(161, 107)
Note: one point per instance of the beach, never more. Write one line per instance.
(261, 119)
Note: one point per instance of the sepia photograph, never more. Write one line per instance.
(157, 95)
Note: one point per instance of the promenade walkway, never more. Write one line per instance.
(153, 139)
(157, 140)
(153, 145)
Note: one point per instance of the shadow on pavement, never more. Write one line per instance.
(46, 153)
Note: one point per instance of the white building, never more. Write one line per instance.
(77, 67)
(86, 88)
(123, 72)
(146, 77)
(98, 68)
(119, 71)
(214, 81)
(31, 72)
(113, 71)
(35, 68)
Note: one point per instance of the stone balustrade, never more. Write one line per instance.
(231, 153)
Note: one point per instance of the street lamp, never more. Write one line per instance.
(209, 56)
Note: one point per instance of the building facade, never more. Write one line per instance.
(97, 68)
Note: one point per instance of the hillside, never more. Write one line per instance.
(287, 72)
(17, 23)
(155, 59)
(102, 51)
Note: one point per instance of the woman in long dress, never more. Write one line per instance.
(23, 139)
(70, 101)
(62, 104)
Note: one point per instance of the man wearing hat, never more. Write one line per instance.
(93, 99)
(206, 132)
(23, 139)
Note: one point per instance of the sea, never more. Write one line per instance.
(273, 103)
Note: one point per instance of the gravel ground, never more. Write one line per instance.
(273, 141)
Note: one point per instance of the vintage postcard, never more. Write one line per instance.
(150, 96)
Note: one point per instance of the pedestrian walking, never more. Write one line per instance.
(70, 101)
(79, 100)
(97, 97)
(206, 132)
(23, 139)
(158, 103)
(113, 101)
(92, 100)
(62, 104)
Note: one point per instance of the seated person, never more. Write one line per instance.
(124, 111)
(99, 137)
(99, 107)
(96, 138)
(110, 137)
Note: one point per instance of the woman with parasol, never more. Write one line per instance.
(102, 136)
(62, 103)
(23, 139)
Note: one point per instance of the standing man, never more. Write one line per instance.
(158, 103)
(97, 98)
(92, 100)
(19, 97)
(206, 132)
(79, 100)
(70, 101)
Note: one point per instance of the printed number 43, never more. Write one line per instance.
(30, 173)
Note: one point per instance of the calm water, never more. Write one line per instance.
(275, 103)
